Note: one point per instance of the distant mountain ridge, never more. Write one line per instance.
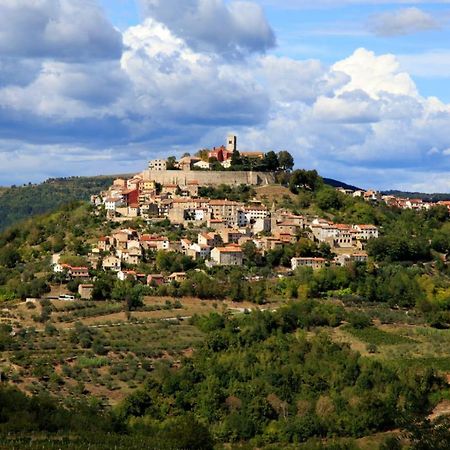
(436, 197)
(17, 203)
(337, 184)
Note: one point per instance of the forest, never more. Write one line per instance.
(20, 202)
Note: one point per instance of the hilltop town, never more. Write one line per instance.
(218, 232)
(220, 254)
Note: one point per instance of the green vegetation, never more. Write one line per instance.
(258, 378)
(345, 352)
(373, 335)
(18, 203)
(270, 162)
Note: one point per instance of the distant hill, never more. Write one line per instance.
(337, 184)
(17, 203)
(428, 197)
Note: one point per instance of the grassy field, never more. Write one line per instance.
(400, 344)
(99, 348)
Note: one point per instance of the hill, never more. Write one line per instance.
(341, 184)
(17, 203)
(436, 197)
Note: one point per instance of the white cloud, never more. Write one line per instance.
(231, 29)
(361, 120)
(375, 74)
(57, 28)
(401, 22)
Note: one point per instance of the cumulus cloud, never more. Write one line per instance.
(57, 29)
(401, 22)
(362, 119)
(229, 29)
(375, 74)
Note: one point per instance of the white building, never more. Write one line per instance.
(202, 165)
(157, 164)
(365, 232)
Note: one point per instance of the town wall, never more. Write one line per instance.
(209, 178)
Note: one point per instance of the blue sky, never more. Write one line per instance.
(357, 89)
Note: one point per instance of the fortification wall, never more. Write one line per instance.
(209, 178)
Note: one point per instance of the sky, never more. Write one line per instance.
(357, 89)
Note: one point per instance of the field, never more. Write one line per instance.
(99, 348)
(400, 344)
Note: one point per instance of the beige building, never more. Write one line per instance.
(111, 263)
(314, 263)
(227, 256)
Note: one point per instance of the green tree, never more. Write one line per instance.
(285, 160)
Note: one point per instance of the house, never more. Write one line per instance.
(253, 155)
(286, 227)
(445, 203)
(130, 196)
(155, 279)
(85, 291)
(365, 232)
(187, 162)
(216, 224)
(209, 239)
(157, 164)
(133, 210)
(314, 263)
(130, 256)
(112, 203)
(262, 225)
(371, 196)
(185, 244)
(120, 182)
(152, 242)
(199, 251)
(177, 276)
(104, 243)
(111, 263)
(226, 210)
(78, 272)
(202, 165)
(230, 255)
(221, 154)
(123, 275)
(229, 236)
(347, 259)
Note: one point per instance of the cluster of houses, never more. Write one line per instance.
(124, 249)
(416, 204)
(223, 227)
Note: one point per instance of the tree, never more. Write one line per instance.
(270, 162)
(236, 159)
(171, 160)
(304, 179)
(285, 160)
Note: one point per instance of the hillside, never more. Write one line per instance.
(17, 203)
(353, 350)
(436, 197)
(341, 184)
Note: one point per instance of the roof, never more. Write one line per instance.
(316, 259)
(229, 249)
(223, 203)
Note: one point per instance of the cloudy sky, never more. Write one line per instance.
(358, 89)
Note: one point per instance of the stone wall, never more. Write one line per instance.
(209, 178)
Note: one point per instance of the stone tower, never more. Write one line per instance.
(231, 143)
